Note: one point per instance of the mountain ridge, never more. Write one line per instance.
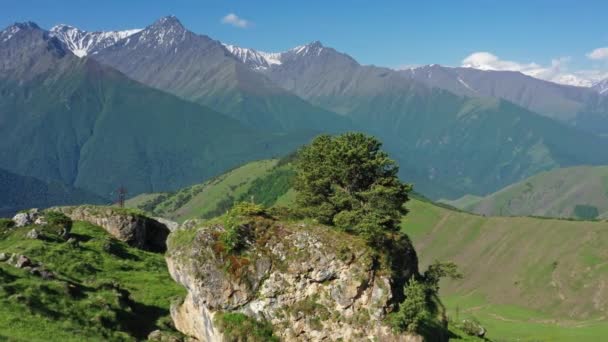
(51, 122)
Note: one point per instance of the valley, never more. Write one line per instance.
(163, 180)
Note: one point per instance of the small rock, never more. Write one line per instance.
(20, 261)
(32, 234)
(40, 221)
(4, 256)
(161, 336)
(73, 242)
(47, 275)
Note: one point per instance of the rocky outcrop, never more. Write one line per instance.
(131, 227)
(26, 218)
(310, 282)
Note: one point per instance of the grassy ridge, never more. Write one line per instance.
(575, 192)
(103, 289)
(263, 181)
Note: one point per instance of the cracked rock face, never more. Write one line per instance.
(311, 283)
(136, 230)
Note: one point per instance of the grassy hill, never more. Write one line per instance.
(525, 278)
(102, 290)
(260, 179)
(576, 192)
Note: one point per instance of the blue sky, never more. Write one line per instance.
(528, 34)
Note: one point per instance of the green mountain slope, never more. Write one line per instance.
(102, 289)
(575, 192)
(525, 278)
(20, 192)
(87, 125)
(264, 181)
(448, 145)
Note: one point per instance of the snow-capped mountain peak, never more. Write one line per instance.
(311, 49)
(83, 43)
(11, 31)
(253, 58)
(165, 32)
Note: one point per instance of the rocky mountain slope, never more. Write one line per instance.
(576, 192)
(167, 56)
(83, 43)
(86, 125)
(577, 106)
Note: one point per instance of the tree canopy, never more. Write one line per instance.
(347, 181)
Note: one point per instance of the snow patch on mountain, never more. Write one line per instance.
(258, 60)
(11, 31)
(83, 43)
(601, 87)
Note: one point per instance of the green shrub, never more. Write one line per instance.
(349, 182)
(472, 327)
(6, 223)
(413, 310)
(236, 233)
(586, 212)
(248, 209)
(56, 218)
(238, 327)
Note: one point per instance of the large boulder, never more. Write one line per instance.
(125, 225)
(311, 282)
(26, 218)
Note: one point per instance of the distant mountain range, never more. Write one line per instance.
(162, 107)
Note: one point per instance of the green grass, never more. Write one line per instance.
(525, 279)
(212, 198)
(514, 323)
(99, 294)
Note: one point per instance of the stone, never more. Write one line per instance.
(40, 221)
(161, 336)
(32, 234)
(4, 256)
(19, 261)
(25, 218)
(137, 230)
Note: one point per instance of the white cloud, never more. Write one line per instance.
(234, 20)
(556, 72)
(599, 54)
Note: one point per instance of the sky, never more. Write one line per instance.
(551, 39)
